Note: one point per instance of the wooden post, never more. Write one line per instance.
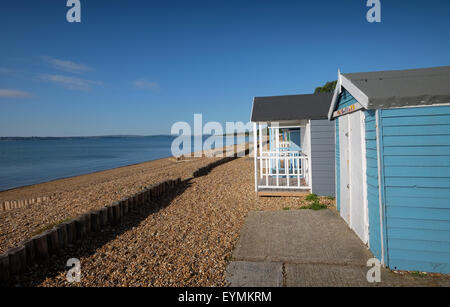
(62, 235)
(41, 246)
(122, 208)
(95, 220)
(117, 213)
(71, 231)
(144, 196)
(110, 214)
(103, 217)
(17, 260)
(136, 202)
(87, 217)
(4, 268)
(150, 194)
(30, 251)
(81, 226)
(147, 194)
(126, 206)
(53, 241)
(130, 204)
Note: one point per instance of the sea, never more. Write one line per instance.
(27, 161)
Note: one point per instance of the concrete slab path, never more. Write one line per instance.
(307, 248)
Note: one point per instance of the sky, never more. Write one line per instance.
(136, 67)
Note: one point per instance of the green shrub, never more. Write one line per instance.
(312, 197)
(315, 206)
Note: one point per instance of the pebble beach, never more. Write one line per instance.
(187, 241)
(77, 195)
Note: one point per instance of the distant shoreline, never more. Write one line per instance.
(6, 138)
(18, 138)
(82, 175)
(62, 178)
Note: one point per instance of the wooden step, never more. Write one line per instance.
(283, 193)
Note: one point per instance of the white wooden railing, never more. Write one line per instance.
(284, 170)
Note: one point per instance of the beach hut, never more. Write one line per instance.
(295, 144)
(393, 164)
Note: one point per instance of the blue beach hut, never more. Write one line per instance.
(392, 131)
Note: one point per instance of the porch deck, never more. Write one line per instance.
(282, 190)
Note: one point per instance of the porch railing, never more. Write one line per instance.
(284, 170)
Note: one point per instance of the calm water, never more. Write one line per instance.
(31, 161)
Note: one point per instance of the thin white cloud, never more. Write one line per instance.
(13, 93)
(67, 66)
(144, 84)
(71, 83)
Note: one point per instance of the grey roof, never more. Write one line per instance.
(291, 107)
(398, 88)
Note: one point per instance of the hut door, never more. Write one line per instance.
(345, 168)
(357, 201)
(351, 140)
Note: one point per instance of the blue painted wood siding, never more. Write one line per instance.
(338, 168)
(294, 137)
(345, 99)
(416, 170)
(322, 158)
(372, 184)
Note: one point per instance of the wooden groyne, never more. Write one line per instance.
(14, 204)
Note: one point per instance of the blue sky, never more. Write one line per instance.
(136, 67)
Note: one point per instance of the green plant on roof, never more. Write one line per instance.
(312, 197)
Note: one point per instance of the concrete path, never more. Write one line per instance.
(306, 248)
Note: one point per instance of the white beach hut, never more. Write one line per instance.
(296, 145)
